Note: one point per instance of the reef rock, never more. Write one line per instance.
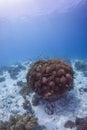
(81, 123)
(81, 65)
(69, 124)
(50, 78)
(2, 79)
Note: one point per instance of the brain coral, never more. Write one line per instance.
(50, 78)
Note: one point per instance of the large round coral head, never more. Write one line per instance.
(50, 78)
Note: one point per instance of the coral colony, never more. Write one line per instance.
(50, 78)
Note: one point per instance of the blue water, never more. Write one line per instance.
(62, 35)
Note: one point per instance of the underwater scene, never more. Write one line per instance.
(43, 65)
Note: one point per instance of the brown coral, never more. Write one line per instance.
(50, 78)
(80, 124)
(22, 122)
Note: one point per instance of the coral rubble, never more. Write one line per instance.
(50, 78)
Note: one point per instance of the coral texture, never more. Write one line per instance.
(50, 78)
(80, 124)
(24, 122)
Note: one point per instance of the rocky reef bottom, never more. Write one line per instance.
(22, 109)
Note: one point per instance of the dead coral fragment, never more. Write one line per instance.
(53, 78)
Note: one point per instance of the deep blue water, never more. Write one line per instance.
(61, 35)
